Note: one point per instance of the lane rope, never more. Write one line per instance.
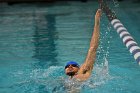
(127, 39)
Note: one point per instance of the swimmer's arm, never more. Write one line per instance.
(87, 67)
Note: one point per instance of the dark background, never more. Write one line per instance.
(49, 1)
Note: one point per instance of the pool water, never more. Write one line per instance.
(36, 40)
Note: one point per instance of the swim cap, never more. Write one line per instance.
(71, 63)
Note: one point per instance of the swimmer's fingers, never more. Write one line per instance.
(98, 13)
(97, 17)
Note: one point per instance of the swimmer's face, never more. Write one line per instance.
(71, 70)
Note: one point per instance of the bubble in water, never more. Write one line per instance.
(108, 42)
(116, 3)
(109, 27)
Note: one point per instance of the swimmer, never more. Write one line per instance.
(83, 72)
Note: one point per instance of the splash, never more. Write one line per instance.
(105, 40)
(100, 75)
(53, 80)
(38, 80)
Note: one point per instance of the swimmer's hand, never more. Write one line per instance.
(98, 16)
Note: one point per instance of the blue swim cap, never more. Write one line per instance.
(71, 63)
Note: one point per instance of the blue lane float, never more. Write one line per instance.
(127, 39)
